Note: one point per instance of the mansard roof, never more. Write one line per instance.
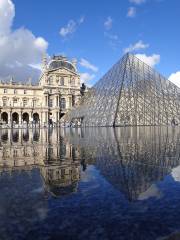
(61, 62)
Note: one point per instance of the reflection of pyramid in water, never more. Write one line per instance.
(130, 93)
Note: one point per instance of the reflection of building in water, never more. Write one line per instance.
(57, 160)
(132, 159)
(61, 179)
(61, 169)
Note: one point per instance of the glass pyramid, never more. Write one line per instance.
(130, 94)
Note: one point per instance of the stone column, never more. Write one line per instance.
(10, 118)
(57, 103)
(41, 119)
(20, 118)
(32, 118)
(69, 102)
(46, 99)
(57, 118)
(46, 117)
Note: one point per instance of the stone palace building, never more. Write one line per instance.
(57, 91)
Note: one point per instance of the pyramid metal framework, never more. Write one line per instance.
(130, 93)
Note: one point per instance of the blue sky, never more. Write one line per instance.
(98, 33)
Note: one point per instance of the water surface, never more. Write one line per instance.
(91, 183)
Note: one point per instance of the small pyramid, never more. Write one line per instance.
(131, 93)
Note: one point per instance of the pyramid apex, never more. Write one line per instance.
(129, 54)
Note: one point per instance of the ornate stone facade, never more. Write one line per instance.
(57, 91)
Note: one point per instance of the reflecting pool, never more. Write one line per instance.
(90, 183)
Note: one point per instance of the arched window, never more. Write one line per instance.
(36, 117)
(4, 117)
(25, 117)
(62, 81)
(15, 117)
(63, 103)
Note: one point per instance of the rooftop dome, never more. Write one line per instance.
(61, 62)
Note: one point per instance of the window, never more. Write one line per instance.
(63, 103)
(46, 98)
(14, 100)
(24, 102)
(73, 100)
(15, 153)
(72, 81)
(4, 102)
(50, 102)
(5, 90)
(34, 102)
(25, 91)
(57, 101)
(50, 80)
(63, 172)
(57, 79)
(62, 81)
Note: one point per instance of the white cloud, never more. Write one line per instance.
(86, 78)
(149, 60)
(137, 46)
(111, 36)
(175, 78)
(68, 29)
(81, 20)
(71, 27)
(36, 66)
(138, 2)
(131, 12)
(40, 43)
(19, 48)
(7, 13)
(85, 63)
(113, 40)
(108, 23)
